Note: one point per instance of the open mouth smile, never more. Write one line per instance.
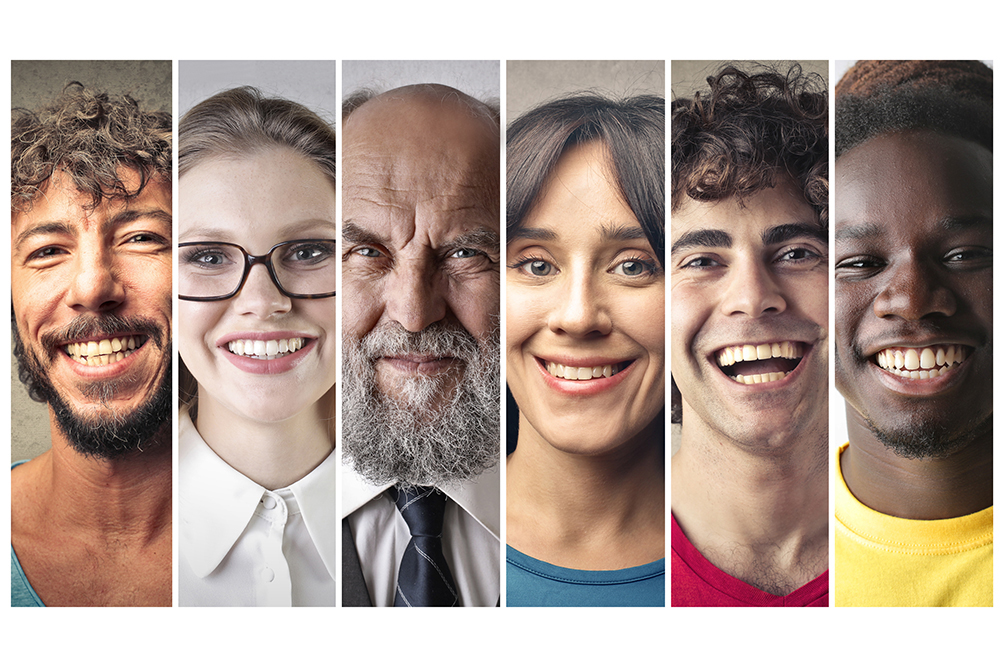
(760, 363)
(921, 363)
(104, 351)
(265, 349)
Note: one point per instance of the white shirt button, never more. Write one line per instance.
(267, 575)
(269, 503)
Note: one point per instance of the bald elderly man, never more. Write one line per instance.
(421, 417)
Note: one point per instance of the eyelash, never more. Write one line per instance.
(649, 268)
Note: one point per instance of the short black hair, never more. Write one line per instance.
(953, 97)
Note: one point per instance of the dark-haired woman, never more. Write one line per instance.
(585, 354)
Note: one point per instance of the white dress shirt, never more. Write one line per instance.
(471, 536)
(242, 545)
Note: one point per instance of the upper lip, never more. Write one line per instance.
(875, 348)
(416, 358)
(583, 362)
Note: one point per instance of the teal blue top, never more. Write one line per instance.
(21, 592)
(534, 583)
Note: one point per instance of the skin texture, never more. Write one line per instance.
(914, 267)
(578, 272)
(249, 419)
(751, 273)
(70, 513)
(421, 222)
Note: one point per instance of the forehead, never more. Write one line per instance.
(414, 161)
(60, 203)
(784, 204)
(904, 180)
(263, 196)
(581, 187)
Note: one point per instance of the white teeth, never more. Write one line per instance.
(103, 352)
(731, 355)
(920, 363)
(265, 349)
(759, 379)
(582, 372)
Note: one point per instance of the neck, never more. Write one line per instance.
(954, 485)
(561, 502)
(131, 494)
(721, 490)
(272, 454)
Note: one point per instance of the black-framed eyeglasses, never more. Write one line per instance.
(300, 269)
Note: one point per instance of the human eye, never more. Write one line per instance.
(635, 267)
(46, 253)
(367, 252)
(858, 266)
(309, 252)
(207, 257)
(970, 258)
(533, 266)
(700, 262)
(799, 257)
(465, 253)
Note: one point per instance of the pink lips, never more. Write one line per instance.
(281, 364)
(412, 364)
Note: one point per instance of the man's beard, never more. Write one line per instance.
(106, 433)
(918, 441)
(405, 440)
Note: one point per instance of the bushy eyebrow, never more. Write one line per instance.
(868, 230)
(533, 234)
(702, 238)
(120, 218)
(615, 232)
(785, 233)
(482, 238)
(355, 234)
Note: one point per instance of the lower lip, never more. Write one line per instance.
(769, 386)
(109, 370)
(405, 366)
(583, 387)
(927, 387)
(275, 366)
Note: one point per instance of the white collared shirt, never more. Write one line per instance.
(242, 545)
(471, 536)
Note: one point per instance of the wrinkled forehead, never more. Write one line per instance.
(411, 151)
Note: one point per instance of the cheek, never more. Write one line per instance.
(195, 321)
(527, 312)
(476, 304)
(688, 312)
(362, 307)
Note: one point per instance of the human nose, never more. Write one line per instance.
(260, 296)
(414, 296)
(911, 291)
(752, 290)
(96, 284)
(581, 308)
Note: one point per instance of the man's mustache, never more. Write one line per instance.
(101, 326)
(438, 339)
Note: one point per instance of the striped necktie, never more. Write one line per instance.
(424, 578)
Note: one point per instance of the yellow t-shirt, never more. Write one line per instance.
(885, 561)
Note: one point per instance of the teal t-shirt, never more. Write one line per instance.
(21, 592)
(535, 583)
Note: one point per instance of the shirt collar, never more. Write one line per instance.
(480, 497)
(217, 502)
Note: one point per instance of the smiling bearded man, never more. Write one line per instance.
(90, 311)
(749, 342)
(914, 352)
(421, 276)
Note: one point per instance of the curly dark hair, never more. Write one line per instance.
(89, 136)
(746, 130)
(954, 97)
